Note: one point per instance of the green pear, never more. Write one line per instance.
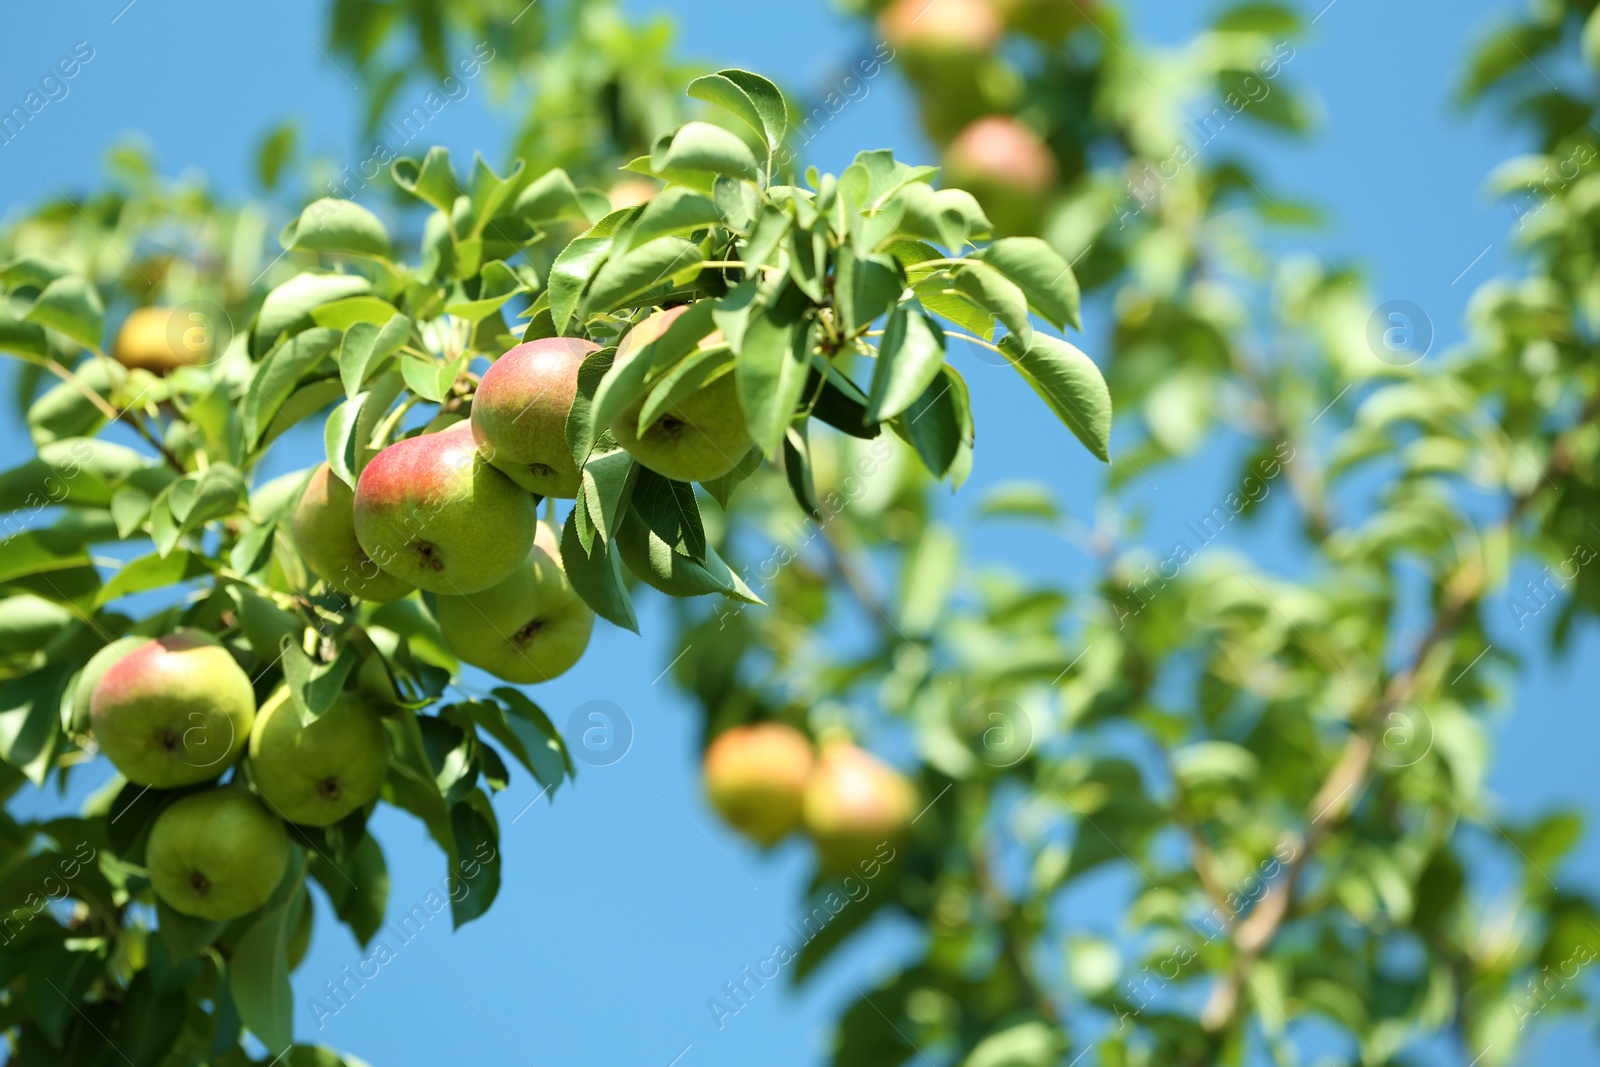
(217, 854)
(317, 774)
(756, 778)
(173, 711)
(431, 511)
(90, 677)
(325, 532)
(530, 628)
(519, 414)
(853, 803)
(701, 437)
(153, 339)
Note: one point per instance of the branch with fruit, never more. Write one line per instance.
(295, 643)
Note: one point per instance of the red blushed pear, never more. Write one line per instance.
(756, 778)
(325, 532)
(701, 437)
(519, 414)
(944, 29)
(529, 628)
(853, 803)
(431, 511)
(173, 711)
(1007, 166)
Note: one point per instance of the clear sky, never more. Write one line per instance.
(626, 905)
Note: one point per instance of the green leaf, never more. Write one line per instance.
(488, 192)
(498, 284)
(357, 886)
(990, 290)
(700, 146)
(475, 879)
(274, 154)
(282, 369)
(622, 279)
(343, 314)
(755, 100)
(570, 274)
(774, 363)
(1071, 384)
(909, 358)
(1044, 277)
(287, 309)
(673, 211)
(655, 561)
(340, 226)
(550, 756)
(1029, 1044)
(594, 573)
(195, 499)
(70, 305)
(865, 287)
(341, 439)
(152, 572)
(433, 181)
(431, 379)
(549, 197)
(258, 975)
(314, 685)
(365, 348)
(22, 338)
(63, 411)
(938, 424)
(30, 719)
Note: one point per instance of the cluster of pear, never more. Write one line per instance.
(766, 781)
(453, 512)
(949, 49)
(178, 711)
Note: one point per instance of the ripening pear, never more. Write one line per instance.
(519, 414)
(217, 854)
(317, 774)
(943, 30)
(529, 628)
(756, 778)
(701, 437)
(853, 803)
(159, 340)
(325, 533)
(431, 511)
(173, 711)
(90, 676)
(1007, 166)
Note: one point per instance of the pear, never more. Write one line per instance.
(530, 628)
(1007, 166)
(431, 511)
(173, 711)
(316, 775)
(519, 414)
(325, 533)
(156, 340)
(853, 803)
(217, 854)
(631, 192)
(756, 778)
(945, 29)
(90, 676)
(701, 437)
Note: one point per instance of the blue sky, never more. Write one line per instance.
(626, 905)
